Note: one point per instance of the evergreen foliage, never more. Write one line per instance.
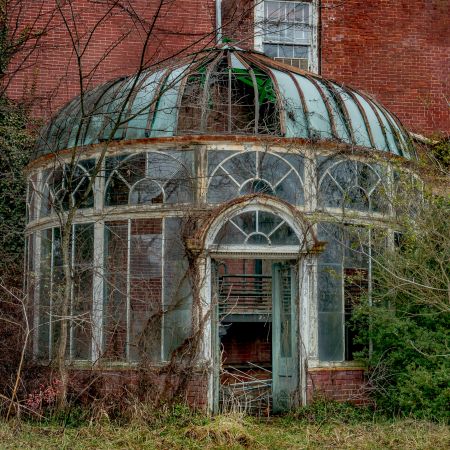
(16, 143)
(409, 325)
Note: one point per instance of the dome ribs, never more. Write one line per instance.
(280, 106)
(327, 105)
(205, 97)
(230, 91)
(380, 121)
(341, 105)
(363, 113)
(255, 86)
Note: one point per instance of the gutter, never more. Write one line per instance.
(219, 22)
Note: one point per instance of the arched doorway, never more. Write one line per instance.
(256, 251)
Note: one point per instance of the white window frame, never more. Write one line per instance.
(313, 60)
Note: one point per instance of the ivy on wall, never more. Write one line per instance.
(16, 143)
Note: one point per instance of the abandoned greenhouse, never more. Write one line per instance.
(213, 246)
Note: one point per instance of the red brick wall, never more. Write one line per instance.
(337, 384)
(247, 342)
(50, 73)
(398, 51)
(150, 384)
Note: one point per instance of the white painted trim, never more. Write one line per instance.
(37, 284)
(313, 54)
(267, 204)
(98, 291)
(128, 302)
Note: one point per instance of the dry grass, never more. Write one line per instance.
(229, 432)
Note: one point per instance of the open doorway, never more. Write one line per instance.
(257, 352)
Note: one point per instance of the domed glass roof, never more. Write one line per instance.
(226, 91)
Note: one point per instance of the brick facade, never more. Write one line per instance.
(397, 51)
(50, 73)
(337, 384)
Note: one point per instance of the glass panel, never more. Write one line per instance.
(330, 290)
(121, 174)
(177, 290)
(352, 184)
(115, 300)
(255, 172)
(286, 315)
(83, 288)
(146, 191)
(145, 289)
(57, 290)
(284, 235)
(256, 228)
(256, 186)
(45, 294)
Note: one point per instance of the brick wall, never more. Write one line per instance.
(398, 51)
(337, 384)
(150, 384)
(50, 74)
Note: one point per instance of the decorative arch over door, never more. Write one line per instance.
(263, 228)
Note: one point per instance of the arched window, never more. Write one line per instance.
(148, 178)
(353, 185)
(65, 187)
(255, 172)
(256, 228)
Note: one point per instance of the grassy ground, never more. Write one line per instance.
(228, 432)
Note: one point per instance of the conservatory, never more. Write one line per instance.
(220, 212)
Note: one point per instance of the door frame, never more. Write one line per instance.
(307, 302)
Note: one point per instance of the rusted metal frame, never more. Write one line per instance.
(304, 105)
(96, 104)
(155, 100)
(122, 82)
(255, 87)
(212, 66)
(380, 121)
(327, 105)
(230, 110)
(363, 113)
(132, 98)
(278, 65)
(277, 90)
(393, 129)
(341, 104)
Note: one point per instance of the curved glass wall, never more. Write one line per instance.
(132, 292)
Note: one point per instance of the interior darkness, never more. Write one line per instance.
(247, 342)
(245, 306)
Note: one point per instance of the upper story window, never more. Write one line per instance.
(285, 32)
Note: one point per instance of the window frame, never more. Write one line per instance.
(259, 16)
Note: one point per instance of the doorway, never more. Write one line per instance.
(257, 357)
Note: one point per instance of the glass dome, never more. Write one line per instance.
(226, 91)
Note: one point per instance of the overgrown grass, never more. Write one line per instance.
(324, 425)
